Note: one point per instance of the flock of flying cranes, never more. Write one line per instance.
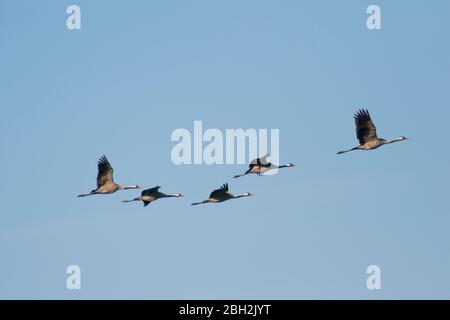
(366, 133)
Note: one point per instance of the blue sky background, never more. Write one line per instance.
(137, 70)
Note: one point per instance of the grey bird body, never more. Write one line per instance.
(105, 180)
(152, 194)
(220, 195)
(366, 132)
(261, 165)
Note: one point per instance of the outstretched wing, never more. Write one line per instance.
(146, 203)
(105, 172)
(365, 129)
(218, 192)
(261, 161)
(150, 191)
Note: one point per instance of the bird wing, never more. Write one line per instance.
(150, 191)
(105, 172)
(365, 129)
(218, 192)
(261, 161)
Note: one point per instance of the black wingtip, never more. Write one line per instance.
(362, 114)
(102, 159)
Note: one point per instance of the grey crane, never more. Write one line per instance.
(366, 132)
(221, 194)
(261, 165)
(105, 181)
(152, 194)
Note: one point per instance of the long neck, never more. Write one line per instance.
(395, 140)
(241, 195)
(128, 187)
(174, 195)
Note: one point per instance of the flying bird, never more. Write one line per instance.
(221, 194)
(366, 132)
(261, 165)
(105, 181)
(152, 194)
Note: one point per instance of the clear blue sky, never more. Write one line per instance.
(137, 70)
